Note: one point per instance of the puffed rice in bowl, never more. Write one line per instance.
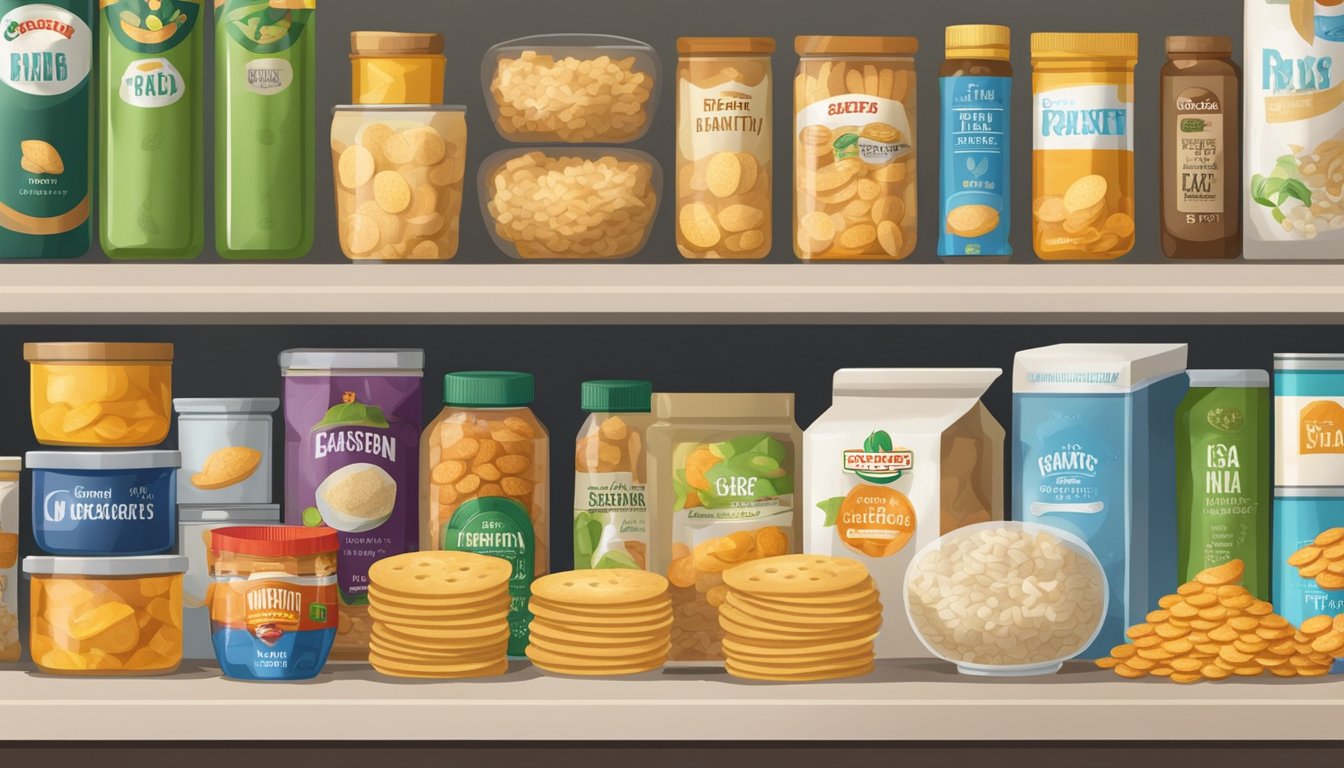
(1006, 598)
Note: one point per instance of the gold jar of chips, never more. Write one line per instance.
(723, 147)
(854, 148)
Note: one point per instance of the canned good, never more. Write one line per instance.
(226, 449)
(1300, 515)
(1309, 412)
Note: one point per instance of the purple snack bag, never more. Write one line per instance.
(352, 434)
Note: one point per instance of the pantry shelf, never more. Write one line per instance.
(446, 294)
(901, 701)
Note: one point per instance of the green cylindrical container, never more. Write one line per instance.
(1223, 493)
(264, 103)
(151, 189)
(46, 55)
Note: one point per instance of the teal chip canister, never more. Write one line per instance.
(1300, 515)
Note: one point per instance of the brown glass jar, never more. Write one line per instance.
(1201, 149)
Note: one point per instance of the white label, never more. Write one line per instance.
(46, 50)
(1090, 117)
(731, 117)
(883, 126)
(151, 83)
(269, 76)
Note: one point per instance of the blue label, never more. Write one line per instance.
(131, 512)
(294, 656)
(976, 142)
(1297, 522)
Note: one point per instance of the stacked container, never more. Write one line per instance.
(108, 601)
(1308, 480)
(398, 153)
(571, 203)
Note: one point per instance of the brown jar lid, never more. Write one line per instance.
(725, 45)
(855, 45)
(1216, 44)
(395, 43)
(96, 352)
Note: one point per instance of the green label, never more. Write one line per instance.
(151, 26)
(258, 27)
(611, 528)
(734, 475)
(500, 528)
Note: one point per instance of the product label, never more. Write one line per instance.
(500, 528)
(257, 26)
(150, 26)
(882, 127)
(273, 625)
(975, 163)
(731, 117)
(873, 520)
(610, 521)
(46, 50)
(1321, 428)
(151, 83)
(269, 76)
(1199, 155)
(1087, 117)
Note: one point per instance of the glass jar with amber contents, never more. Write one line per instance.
(396, 67)
(854, 148)
(724, 145)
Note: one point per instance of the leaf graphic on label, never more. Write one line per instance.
(983, 167)
(831, 508)
(970, 164)
(846, 141)
(878, 442)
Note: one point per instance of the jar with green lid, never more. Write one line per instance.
(484, 486)
(611, 527)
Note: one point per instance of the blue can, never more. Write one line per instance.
(1300, 515)
(105, 502)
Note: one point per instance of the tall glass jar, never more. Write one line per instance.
(854, 148)
(724, 165)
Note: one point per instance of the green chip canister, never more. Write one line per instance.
(150, 189)
(1223, 488)
(46, 136)
(265, 70)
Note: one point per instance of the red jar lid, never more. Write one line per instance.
(273, 540)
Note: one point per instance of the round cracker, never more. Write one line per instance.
(400, 669)
(635, 611)
(798, 635)
(751, 169)
(443, 573)
(595, 638)
(584, 651)
(556, 669)
(971, 221)
(724, 174)
(697, 225)
(447, 605)
(416, 656)
(564, 630)
(796, 575)
(482, 633)
(840, 623)
(607, 586)
(800, 678)
(431, 618)
(652, 659)
(1085, 193)
(572, 619)
(779, 667)
(786, 611)
(803, 602)
(355, 167)
(391, 191)
(746, 647)
(470, 645)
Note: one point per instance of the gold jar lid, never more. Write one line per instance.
(395, 43)
(978, 41)
(725, 46)
(855, 45)
(96, 352)
(1084, 45)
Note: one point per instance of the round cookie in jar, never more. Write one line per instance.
(484, 481)
(855, 195)
(724, 166)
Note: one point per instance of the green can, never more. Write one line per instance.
(46, 54)
(151, 189)
(264, 125)
(1222, 475)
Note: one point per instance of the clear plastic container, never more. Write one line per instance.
(99, 395)
(226, 449)
(611, 510)
(1032, 624)
(575, 89)
(610, 200)
(106, 615)
(398, 176)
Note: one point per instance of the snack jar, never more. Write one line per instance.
(724, 475)
(226, 449)
(398, 177)
(104, 502)
(571, 89)
(396, 67)
(724, 157)
(1083, 158)
(100, 395)
(484, 484)
(611, 510)
(1309, 420)
(590, 203)
(273, 608)
(194, 524)
(106, 615)
(9, 557)
(854, 148)
(1307, 517)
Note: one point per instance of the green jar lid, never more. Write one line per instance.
(488, 389)
(616, 396)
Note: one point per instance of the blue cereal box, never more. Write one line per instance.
(1094, 455)
(1300, 516)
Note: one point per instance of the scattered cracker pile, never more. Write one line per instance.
(600, 622)
(796, 618)
(439, 615)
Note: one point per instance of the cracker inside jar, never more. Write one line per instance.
(589, 205)
(399, 181)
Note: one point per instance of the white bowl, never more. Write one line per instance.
(346, 523)
(1035, 667)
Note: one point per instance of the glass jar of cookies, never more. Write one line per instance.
(398, 176)
(724, 145)
(854, 148)
(1083, 153)
(484, 481)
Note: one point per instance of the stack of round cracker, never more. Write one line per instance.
(610, 621)
(439, 615)
(797, 618)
